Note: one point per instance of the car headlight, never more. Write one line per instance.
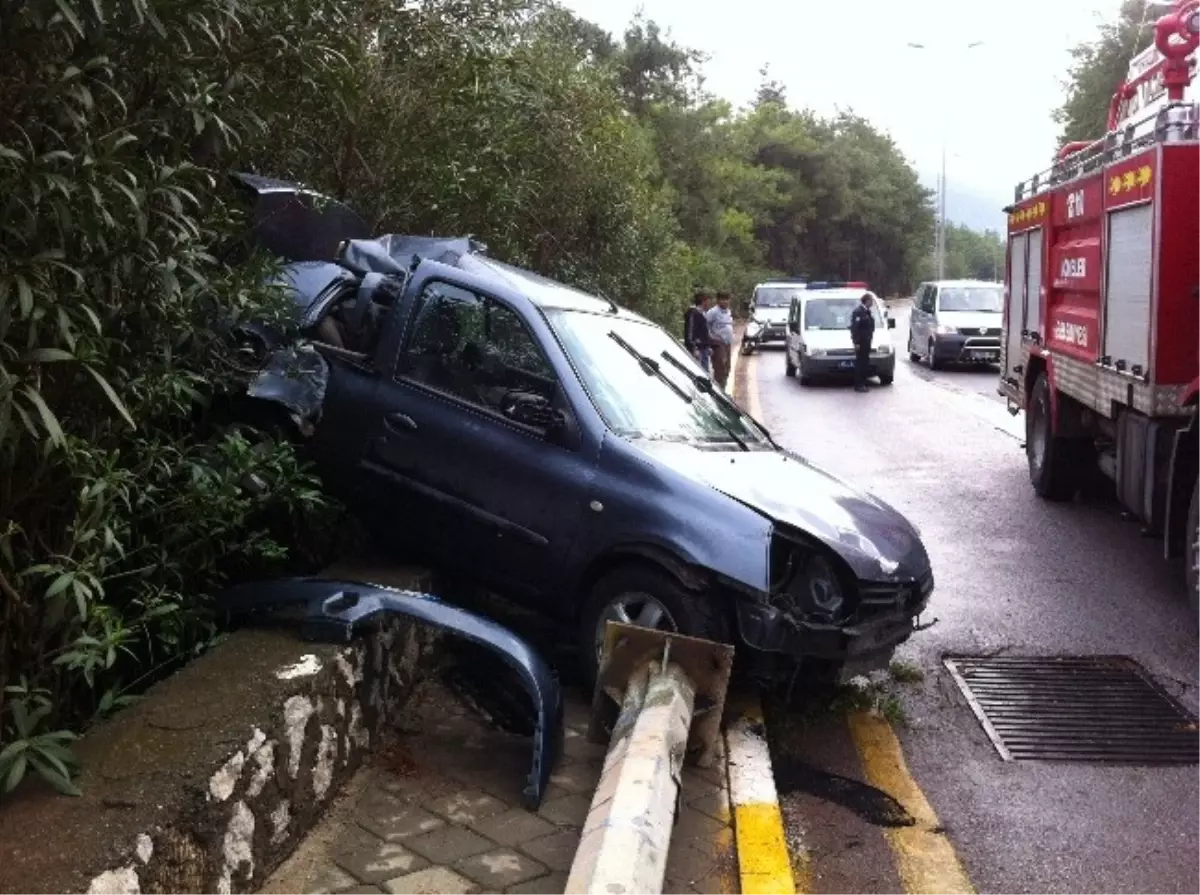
(810, 587)
(944, 330)
(885, 350)
(814, 352)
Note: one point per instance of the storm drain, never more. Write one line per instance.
(1076, 708)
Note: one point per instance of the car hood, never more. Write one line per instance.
(874, 538)
(296, 223)
(972, 320)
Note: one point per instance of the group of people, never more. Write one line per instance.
(708, 333)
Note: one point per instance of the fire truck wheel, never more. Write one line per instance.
(1054, 461)
(1192, 553)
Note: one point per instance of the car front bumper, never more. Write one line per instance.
(865, 644)
(967, 349)
(766, 335)
(824, 365)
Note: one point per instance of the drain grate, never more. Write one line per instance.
(1076, 708)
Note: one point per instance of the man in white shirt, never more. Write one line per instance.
(720, 333)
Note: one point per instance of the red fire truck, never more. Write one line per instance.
(1102, 313)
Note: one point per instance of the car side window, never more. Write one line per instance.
(929, 299)
(476, 349)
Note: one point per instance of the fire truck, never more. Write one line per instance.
(1101, 303)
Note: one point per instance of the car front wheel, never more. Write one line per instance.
(648, 598)
(1192, 553)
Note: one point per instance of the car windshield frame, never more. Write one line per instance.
(997, 304)
(674, 402)
(789, 293)
(850, 301)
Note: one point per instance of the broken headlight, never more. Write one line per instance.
(806, 584)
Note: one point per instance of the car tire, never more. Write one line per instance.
(914, 356)
(1055, 462)
(887, 379)
(934, 363)
(747, 347)
(789, 368)
(635, 585)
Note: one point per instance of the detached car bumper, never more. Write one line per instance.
(766, 335)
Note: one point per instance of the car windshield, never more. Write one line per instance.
(775, 296)
(971, 298)
(834, 313)
(637, 402)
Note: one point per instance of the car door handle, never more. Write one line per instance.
(400, 422)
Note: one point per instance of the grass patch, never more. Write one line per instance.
(905, 673)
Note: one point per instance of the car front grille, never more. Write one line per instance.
(881, 598)
(840, 352)
(993, 331)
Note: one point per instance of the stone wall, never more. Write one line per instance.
(208, 783)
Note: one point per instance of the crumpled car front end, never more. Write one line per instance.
(819, 609)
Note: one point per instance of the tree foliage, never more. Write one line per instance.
(124, 498)
(973, 255)
(1098, 68)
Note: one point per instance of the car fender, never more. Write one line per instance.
(338, 610)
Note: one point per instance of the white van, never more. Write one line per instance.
(956, 321)
(818, 334)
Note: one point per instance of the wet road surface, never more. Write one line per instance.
(1014, 575)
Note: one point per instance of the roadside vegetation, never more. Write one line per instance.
(601, 161)
(1099, 66)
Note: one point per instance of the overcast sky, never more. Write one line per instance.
(994, 101)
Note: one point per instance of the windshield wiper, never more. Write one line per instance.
(650, 367)
(704, 385)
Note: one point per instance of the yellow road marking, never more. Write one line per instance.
(764, 865)
(925, 859)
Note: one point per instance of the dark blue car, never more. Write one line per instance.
(570, 454)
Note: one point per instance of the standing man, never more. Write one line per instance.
(862, 331)
(720, 335)
(695, 328)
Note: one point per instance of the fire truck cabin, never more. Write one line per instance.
(1102, 318)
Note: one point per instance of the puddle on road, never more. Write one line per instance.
(873, 805)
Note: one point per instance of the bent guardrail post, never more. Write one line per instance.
(661, 682)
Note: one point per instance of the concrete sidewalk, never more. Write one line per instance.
(439, 810)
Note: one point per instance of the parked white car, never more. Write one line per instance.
(818, 334)
(956, 321)
(769, 307)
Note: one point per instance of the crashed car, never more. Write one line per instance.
(570, 454)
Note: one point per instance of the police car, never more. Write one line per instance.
(818, 333)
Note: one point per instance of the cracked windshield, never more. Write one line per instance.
(542, 446)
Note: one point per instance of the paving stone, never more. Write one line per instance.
(449, 844)
(551, 884)
(576, 748)
(579, 778)
(499, 869)
(700, 832)
(431, 881)
(556, 851)
(399, 823)
(695, 786)
(412, 787)
(329, 878)
(513, 827)
(359, 890)
(686, 865)
(715, 805)
(379, 861)
(466, 806)
(568, 811)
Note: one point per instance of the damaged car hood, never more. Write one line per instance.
(875, 539)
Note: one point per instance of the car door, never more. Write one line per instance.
(503, 496)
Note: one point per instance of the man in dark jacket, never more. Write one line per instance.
(862, 331)
(695, 329)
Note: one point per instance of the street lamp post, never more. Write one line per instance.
(939, 237)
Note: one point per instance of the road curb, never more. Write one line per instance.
(764, 865)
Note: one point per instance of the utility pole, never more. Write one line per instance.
(939, 237)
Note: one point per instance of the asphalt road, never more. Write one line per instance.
(1015, 575)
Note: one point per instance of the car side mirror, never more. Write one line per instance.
(533, 410)
(891, 323)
